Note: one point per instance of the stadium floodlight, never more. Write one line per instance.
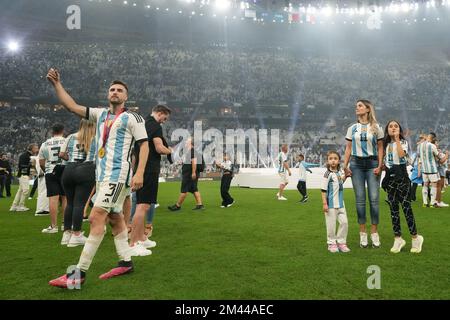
(125, 2)
(222, 4)
(395, 8)
(326, 11)
(405, 7)
(13, 45)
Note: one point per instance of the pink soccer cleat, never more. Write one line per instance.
(66, 282)
(124, 267)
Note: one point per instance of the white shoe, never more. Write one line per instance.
(22, 209)
(66, 237)
(443, 204)
(222, 206)
(417, 244)
(363, 243)
(375, 240)
(282, 198)
(75, 241)
(30, 198)
(50, 229)
(156, 205)
(139, 251)
(232, 204)
(13, 208)
(399, 243)
(147, 243)
(278, 194)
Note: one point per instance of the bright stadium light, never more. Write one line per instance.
(222, 4)
(13, 45)
(405, 7)
(327, 11)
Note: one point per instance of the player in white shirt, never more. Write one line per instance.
(398, 186)
(303, 168)
(117, 130)
(283, 170)
(333, 204)
(428, 169)
(50, 162)
(442, 169)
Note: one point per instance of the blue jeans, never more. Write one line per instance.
(149, 214)
(362, 173)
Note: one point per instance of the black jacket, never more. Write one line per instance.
(24, 164)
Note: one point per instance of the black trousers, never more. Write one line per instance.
(35, 185)
(78, 180)
(413, 191)
(399, 194)
(301, 187)
(8, 185)
(225, 188)
(3, 178)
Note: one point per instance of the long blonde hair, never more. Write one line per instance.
(371, 117)
(85, 133)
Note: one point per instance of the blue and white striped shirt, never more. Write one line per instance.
(392, 157)
(75, 150)
(427, 155)
(333, 186)
(364, 139)
(282, 158)
(129, 127)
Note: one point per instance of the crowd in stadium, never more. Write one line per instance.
(220, 76)
(229, 74)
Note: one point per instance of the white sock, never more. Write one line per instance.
(89, 251)
(425, 194)
(433, 195)
(122, 247)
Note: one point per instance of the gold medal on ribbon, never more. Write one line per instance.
(101, 152)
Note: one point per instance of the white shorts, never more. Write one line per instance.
(284, 177)
(430, 177)
(110, 196)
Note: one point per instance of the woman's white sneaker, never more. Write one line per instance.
(399, 243)
(375, 240)
(139, 251)
(417, 244)
(50, 229)
(363, 243)
(147, 243)
(66, 237)
(75, 241)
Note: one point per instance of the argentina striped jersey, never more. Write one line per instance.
(333, 186)
(364, 139)
(129, 127)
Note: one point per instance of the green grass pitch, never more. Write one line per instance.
(260, 248)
